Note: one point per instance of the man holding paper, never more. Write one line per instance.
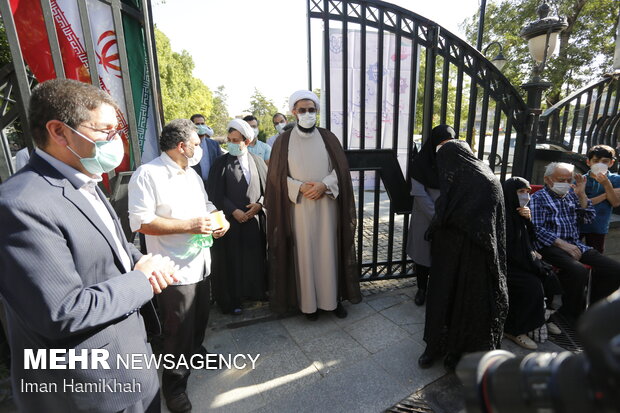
(168, 203)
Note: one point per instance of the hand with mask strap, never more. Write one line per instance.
(525, 212)
(580, 190)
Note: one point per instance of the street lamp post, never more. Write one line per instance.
(542, 36)
(499, 60)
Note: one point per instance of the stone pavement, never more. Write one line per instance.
(366, 362)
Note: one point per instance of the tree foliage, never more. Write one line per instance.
(218, 118)
(585, 50)
(263, 109)
(182, 94)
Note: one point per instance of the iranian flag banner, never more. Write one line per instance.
(35, 47)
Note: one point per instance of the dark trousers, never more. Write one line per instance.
(421, 273)
(574, 277)
(596, 241)
(185, 314)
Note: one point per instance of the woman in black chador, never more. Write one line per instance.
(527, 274)
(467, 300)
(425, 191)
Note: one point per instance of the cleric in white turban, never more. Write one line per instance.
(236, 186)
(301, 95)
(242, 127)
(311, 225)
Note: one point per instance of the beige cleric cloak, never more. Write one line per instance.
(282, 279)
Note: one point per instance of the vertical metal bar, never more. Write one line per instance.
(584, 120)
(473, 96)
(363, 79)
(345, 77)
(375, 224)
(429, 82)
(573, 129)
(564, 123)
(507, 139)
(395, 130)
(124, 62)
(483, 7)
(445, 84)
(483, 120)
(149, 36)
(379, 107)
(52, 38)
(497, 115)
(459, 95)
(21, 77)
(309, 31)
(360, 220)
(88, 42)
(326, 116)
(595, 114)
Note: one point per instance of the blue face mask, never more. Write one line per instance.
(202, 130)
(235, 149)
(108, 155)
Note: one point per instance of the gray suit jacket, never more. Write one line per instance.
(64, 287)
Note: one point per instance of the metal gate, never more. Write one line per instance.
(389, 76)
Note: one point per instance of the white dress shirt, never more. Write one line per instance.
(161, 188)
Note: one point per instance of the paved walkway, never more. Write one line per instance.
(366, 362)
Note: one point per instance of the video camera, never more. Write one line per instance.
(588, 382)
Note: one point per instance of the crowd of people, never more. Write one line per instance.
(272, 222)
(493, 262)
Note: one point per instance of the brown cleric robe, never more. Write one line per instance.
(306, 236)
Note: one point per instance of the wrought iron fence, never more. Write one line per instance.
(586, 118)
(389, 76)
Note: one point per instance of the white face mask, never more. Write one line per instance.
(306, 120)
(599, 168)
(280, 126)
(524, 199)
(560, 188)
(194, 160)
(255, 132)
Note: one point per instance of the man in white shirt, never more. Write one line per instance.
(168, 203)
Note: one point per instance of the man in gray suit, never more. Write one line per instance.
(71, 283)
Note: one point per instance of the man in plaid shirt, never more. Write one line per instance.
(557, 210)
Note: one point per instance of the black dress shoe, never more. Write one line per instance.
(313, 316)
(179, 403)
(340, 312)
(451, 360)
(420, 297)
(427, 359)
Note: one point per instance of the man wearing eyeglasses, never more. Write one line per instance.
(311, 221)
(71, 283)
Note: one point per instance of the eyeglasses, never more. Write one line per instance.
(304, 110)
(111, 133)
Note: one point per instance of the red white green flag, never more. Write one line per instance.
(34, 44)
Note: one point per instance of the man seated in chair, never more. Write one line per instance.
(557, 210)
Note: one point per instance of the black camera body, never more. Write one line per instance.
(588, 382)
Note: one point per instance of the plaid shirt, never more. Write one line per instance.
(555, 217)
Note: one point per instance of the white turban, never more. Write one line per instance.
(209, 131)
(243, 127)
(301, 95)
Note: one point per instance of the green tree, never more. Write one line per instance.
(585, 50)
(263, 109)
(218, 118)
(182, 94)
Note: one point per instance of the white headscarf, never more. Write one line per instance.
(301, 95)
(243, 127)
